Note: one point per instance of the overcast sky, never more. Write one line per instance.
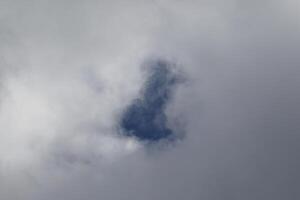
(84, 113)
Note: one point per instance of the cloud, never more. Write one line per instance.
(69, 70)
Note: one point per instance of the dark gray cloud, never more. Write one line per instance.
(66, 84)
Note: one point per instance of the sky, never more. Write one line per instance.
(139, 99)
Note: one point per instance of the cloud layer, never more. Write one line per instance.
(70, 69)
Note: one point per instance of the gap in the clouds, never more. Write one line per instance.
(145, 118)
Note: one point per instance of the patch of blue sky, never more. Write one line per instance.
(145, 118)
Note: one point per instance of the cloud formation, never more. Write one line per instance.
(69, 70)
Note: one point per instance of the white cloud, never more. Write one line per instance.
(69, 69)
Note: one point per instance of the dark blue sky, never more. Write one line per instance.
(145, 118)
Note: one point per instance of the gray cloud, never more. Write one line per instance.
(69, 69)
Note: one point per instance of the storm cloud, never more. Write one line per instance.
(79, 100)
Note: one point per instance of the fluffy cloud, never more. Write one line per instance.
(70, 69)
